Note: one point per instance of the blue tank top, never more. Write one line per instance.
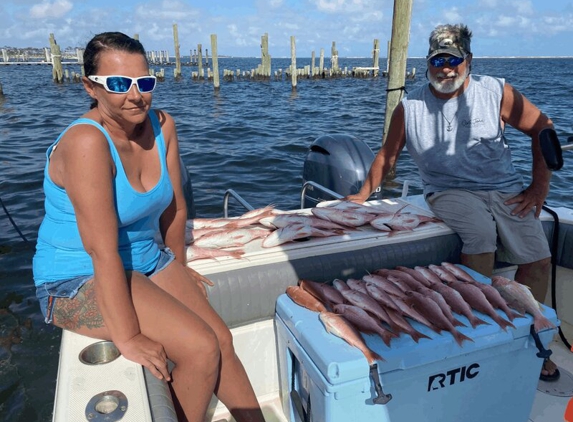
(459, 143)
(60, 254)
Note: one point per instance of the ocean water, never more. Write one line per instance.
(250, 136)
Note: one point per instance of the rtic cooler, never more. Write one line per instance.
(492, 379)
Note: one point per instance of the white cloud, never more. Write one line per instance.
(57, 9)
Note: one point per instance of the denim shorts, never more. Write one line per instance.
(48, 292)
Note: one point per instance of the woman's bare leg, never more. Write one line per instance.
(233, 388)
(188, 341)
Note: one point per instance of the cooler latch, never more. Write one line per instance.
(543, 352)
(380, 398)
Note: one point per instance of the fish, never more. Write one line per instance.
(458, 272)
(439, 299)
(192, 234)
(381, 296)
(282, 220)
(195, 252)
(380, 221)
(408, 221)
(358, 285)
(412, 313)
(364, 322)
(405, 326)
(370, 305)
(340, 285)
(415, 274)
(249, 218)
(384, 284)
(431, 276)
(432, 311)
(380, 208)
(303, 298)
(345, 218)
(294, 232)
(405, 279)
(478, 301)
(496, 299)
(337, 325)
(322, 291)
(457, 303)
(522, 294)
(442, 273)
(231, 238)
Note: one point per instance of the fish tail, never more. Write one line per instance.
(513, 314)
(416, 335)
(386, 336)
(503, 323)
(475, 321)
(459, 337)
(372, 357)
(457, 323)
(541, 323)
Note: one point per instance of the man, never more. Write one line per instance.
(454, 130)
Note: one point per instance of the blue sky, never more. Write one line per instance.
(500, 27)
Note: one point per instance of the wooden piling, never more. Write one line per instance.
(293, 61)
(375, 57)
(398, 57)
(57, 72)
(265, 57)
(321, 63)
(200, 61)
(334, 59)
(215, 61)
(177, 71)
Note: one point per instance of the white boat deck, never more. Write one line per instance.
(78, 383)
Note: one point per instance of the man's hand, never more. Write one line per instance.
(356, 198)
(532, 197)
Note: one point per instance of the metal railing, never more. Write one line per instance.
(313, 185)
(239, 198)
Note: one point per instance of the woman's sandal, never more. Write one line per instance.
(549, 377)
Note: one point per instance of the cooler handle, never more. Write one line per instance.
(295, 397)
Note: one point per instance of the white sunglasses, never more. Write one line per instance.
(118, 84)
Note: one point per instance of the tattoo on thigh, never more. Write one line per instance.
(80, 312)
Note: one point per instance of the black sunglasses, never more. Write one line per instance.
(452, 61)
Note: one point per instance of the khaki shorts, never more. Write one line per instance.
(485, 225)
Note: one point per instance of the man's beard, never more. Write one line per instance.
(448, 86)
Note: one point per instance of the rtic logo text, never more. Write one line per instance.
(453, 376)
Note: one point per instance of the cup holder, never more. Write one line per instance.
(99, 353)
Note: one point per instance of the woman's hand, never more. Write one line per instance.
(148, 353)
(199, 279)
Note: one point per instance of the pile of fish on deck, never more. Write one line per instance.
(382, 303)
(219, 237)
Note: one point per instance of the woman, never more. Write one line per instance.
(112, 180)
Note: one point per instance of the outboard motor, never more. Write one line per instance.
(339, 163)
(187, 189)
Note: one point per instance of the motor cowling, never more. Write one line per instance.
(338, 162)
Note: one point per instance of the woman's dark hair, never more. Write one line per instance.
(108, 41)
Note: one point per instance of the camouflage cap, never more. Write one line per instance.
(450, 39)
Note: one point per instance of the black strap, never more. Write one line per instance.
(402, 88)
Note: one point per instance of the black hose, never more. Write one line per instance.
(12, 221)
(554, 247)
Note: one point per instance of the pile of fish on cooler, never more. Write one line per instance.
(383, 303)
(218, 237)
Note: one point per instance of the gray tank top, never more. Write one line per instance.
(459, 143)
